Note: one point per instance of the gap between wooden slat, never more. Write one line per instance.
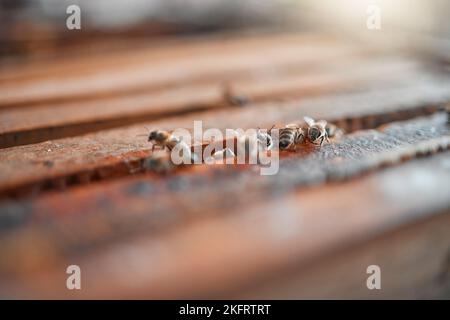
(120, 152)
(22, 126)
(154, 203)
(155, 76)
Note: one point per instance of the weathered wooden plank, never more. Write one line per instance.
(161, 49)
(256, 242)
(96, 214)
(281, 236)
(413, 260)
(150, 75)
(21, 126)
(116, 152)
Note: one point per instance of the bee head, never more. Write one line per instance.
(152, 135)
(265, 138)
(316, 134)
(284, 144)
(156, 135)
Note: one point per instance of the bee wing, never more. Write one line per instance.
(322, 123)
(309, 121)
(175, 139)
(265, 139)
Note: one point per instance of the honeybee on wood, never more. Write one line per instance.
(264, 139)
(250, 143)
(163, 139)
(333, 131)
(316, 131)
(291, 135)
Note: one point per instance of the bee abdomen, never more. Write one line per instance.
(287, 137)
(173, 141)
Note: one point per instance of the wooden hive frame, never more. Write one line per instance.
(73, 186)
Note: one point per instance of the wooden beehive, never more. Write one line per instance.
(74, 190)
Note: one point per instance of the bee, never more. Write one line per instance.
(333, 131)
(250, 143)
(163, 139)
(265, 141)
(220, 155)
(316, 132)
(291, 135)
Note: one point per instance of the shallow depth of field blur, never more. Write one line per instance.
(61, 130)
(30, 28)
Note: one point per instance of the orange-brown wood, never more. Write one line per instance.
(254, 241)
(19, 126)
(153, 74)
(33, 166)
(75, 187)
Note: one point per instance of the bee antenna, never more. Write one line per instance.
(146, 134)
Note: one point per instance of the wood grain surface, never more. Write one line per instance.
(74, 188)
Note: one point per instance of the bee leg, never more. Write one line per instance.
(321, 142)
(154, 146)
